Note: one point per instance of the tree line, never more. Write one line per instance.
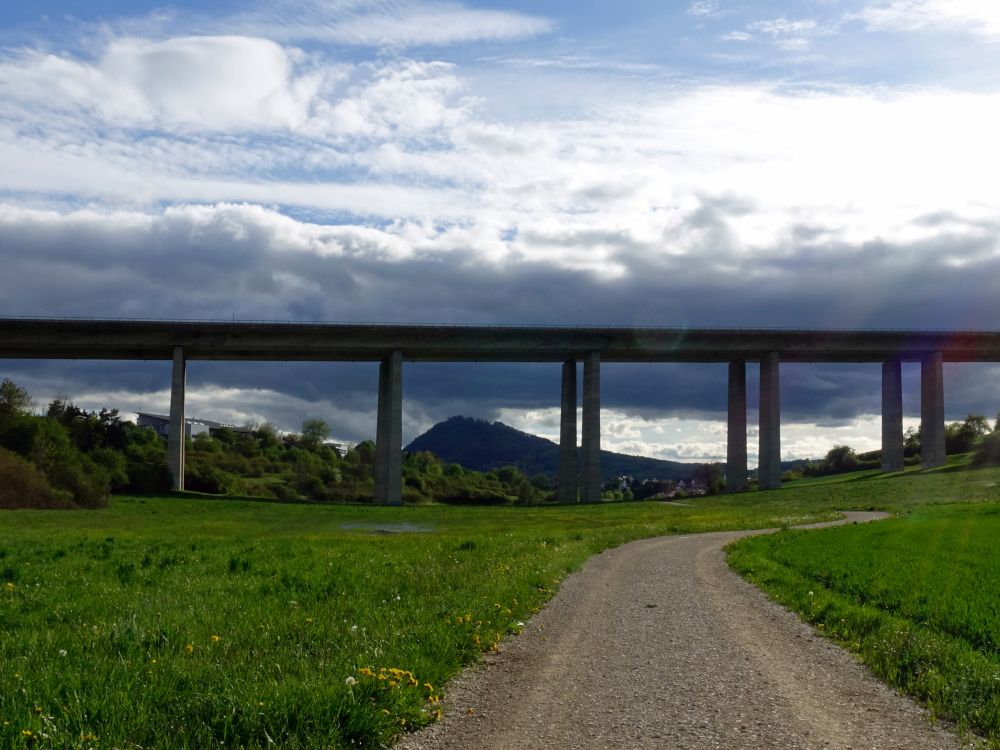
(70, 457)
(973, 435)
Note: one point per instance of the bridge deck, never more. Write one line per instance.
(217, 340)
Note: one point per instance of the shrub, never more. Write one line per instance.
(148, 476)
(210, 479)
(23, 486)
(476, 496)
(988, 452)
(46, 444)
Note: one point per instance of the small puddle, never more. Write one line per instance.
(387, 528)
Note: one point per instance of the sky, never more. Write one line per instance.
(821, 163)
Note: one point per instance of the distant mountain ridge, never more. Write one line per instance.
(484, 446)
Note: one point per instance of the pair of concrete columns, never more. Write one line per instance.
(389, 431)
(590, 446)
(932, 446)
(769, 448)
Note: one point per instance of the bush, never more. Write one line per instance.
(23, 486)
(476, 496)
(149, 475)
(988, 452)
(46, 444)
(210, 479)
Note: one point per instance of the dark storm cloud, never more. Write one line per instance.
(226, 261)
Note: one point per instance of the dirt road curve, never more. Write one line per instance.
(657, 644)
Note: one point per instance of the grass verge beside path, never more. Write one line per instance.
(916, 597)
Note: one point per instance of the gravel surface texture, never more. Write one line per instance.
(658, 644)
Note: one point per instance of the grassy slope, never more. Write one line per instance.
(916, 597)
(299, 604)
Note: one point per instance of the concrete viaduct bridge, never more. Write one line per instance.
(390, 345)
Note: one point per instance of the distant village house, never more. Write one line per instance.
(192, 426)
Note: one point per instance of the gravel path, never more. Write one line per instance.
(658, 644)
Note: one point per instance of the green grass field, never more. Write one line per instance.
(189, 622)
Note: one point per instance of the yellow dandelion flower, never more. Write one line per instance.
(437, 715)
(189, 648)
(215, 639)
(385, 711)
(10, 586)
(430, 688)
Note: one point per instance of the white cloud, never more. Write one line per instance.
(213, 83)
(704, 8)
(403, 141)
(978, 17)
(435, 24)
(789, 35)
(396, 24)
(404, 98)
(736, 36)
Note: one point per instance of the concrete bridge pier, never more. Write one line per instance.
(567, 435)
(389, 432)
(769, 461)
(736, 432)
(591, 439)
(178, 431)
(932, 410)
(892, 416)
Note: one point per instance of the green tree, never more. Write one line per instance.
(314, 433)
(840, 459)
(14, 400)
(712, 476)
(962, 437)
(267, 435)
(988, 452)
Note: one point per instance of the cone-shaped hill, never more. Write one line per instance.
(483, 446)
